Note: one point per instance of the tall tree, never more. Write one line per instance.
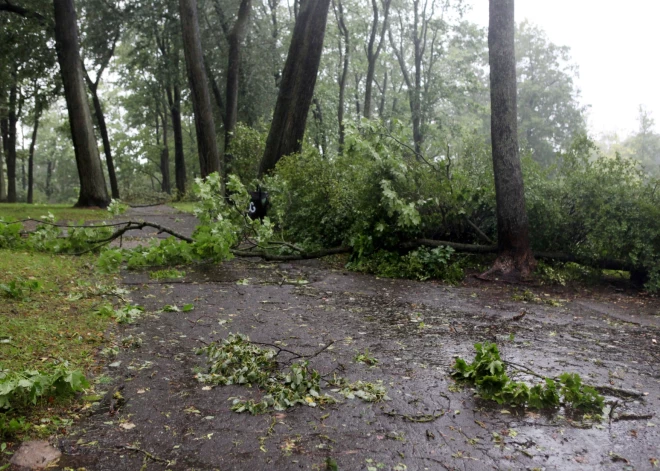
(373, 49)
(3, 188)
(101, 29)
(39, 104)
(422, 18)
(515, 256)
(169, 49)
(344, 59)
(93, 191)
(13, 114)
(236, 38)
(549, 112)
(297, 85)
(207, 147)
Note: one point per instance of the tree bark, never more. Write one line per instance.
(93, 190)
(343, 76)
(515, 256)
(103, 129)
(3, 188)
(373, 51)
(236, 38)
(10, 139)
(33, 143)
(174, 102)
(165, 184)
(297, 86)
(207, 146)
(50, 166)
(321, 139)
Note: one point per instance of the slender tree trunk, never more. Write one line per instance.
(3, 153)
(207, 147)
(93, 191)
(343, 77)
(174, 102)
(33, 143)
(373, 51)
(298, 80)
(236, 38)
(321, 138)
(23, 176)
(166, 186)
(515, 255)
(12, 119)
(100, 121)
(49, 179)
(217, 94)
(383, 97)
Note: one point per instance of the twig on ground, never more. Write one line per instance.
(146, 453)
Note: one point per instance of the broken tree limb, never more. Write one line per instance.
(607, 264)
(135, 226)
(286, 258)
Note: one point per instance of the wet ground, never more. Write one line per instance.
(171, 421)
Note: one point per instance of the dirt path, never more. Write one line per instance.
(170, 421)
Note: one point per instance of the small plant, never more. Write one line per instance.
(488, 373)
(19, 289)
(28, 386)
(12, 426)
(366, 358)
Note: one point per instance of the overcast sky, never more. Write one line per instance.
(616, 46)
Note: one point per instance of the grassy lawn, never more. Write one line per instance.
(62, 212)
(46, 325)
(186, 207)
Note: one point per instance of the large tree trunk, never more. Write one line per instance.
(373, 51)
(207, 146)
(236, 38)
(297, 86)
(103, 129)
(93, 191)
(515, 255)
(33, 143)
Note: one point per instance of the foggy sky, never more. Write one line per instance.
(615, 45)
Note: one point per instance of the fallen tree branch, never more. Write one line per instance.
(285, 258)
(607, 264)
(606, 389)
(146, 453)
(135, 226)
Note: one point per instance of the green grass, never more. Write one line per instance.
(186, 207)
(62, 212)
(53, 323)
